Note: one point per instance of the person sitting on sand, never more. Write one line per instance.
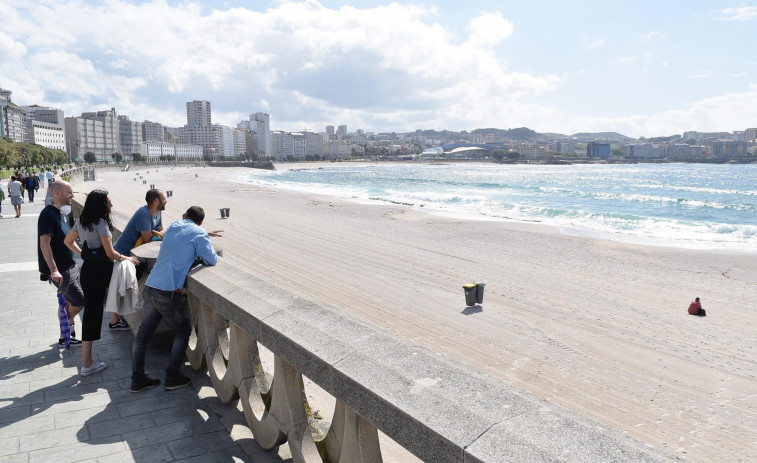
(695, 308)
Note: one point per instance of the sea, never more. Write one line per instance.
(696, 206)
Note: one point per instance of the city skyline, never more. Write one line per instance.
(636, 68)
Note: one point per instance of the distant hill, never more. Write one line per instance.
(609, 136)
(521, 134)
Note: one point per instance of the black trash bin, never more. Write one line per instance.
(480, 292)
(470, 294)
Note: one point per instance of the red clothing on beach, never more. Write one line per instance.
(694, 308)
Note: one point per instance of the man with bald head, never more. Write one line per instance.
(55, 260)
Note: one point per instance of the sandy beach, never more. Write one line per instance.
(596, 326)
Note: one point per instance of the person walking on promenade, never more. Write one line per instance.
(146, 220)
(695, 308)
(93, 229)
(15, 190)
(2, 198)
(49, 176)
(184, 243)
(31, 186)
(56, 263)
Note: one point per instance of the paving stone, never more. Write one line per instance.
(74, 452)
(53, 438)
(120, 426)
(9, 446)
(193, 446)
(152, 453)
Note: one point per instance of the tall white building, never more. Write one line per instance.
(130, 135)
(198, 113)
(93, 132)
(45, 127)
(152, 132)
(259, 124)
(14, 118)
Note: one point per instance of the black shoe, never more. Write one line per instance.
(176, 382)
(119, 325)
(72, 342)
(147, 383)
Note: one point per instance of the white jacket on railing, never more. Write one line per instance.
(123, 293)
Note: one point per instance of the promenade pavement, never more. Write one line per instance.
(50, 413)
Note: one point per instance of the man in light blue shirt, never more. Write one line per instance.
(184, 244)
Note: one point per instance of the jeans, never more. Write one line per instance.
(159, 305)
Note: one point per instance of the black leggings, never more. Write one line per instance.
(95, 279)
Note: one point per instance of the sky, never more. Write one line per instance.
(641, 68)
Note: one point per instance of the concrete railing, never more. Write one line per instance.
(435, 408)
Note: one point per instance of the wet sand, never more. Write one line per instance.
(596, 326)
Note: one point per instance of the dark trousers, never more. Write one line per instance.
(31, 194)
(174, 309)
(95, 279)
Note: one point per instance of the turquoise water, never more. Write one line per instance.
(683, 205)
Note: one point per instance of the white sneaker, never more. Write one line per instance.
(94, 368)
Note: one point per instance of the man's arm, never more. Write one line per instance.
(146, 236)
(47, 253)
(205, 251)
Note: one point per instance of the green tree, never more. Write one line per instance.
(512, 155)
(89, 157)
(499, 154)
(137, 157)
(117, 157)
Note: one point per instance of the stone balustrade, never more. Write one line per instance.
(437, 409)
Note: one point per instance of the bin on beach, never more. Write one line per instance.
(470, 294)
(480, 292)
(223, 213)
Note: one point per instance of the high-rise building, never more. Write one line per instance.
(341, 131)
(330, 132)
(198, 113)
(750, 134)
(130, 135)
(14, 118)
(259, 124)
(152, 132)
(93, 132)
(45, 127)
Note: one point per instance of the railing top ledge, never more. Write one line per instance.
(438, 409)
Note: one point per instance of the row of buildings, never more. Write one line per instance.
(105, 133)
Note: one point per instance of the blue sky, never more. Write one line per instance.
(641, 68)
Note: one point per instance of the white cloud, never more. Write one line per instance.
(295, 60)
(702, 75)
(742, 13)
(593, 44)
(652, 35)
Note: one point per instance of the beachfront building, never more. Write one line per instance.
(643, 151)
(198, 113)
(595, 149)
(300, 145)
(259, 125)
(45, 127)
(93, 132)
(130, 135)
(210, 137)
(153, 132)
(728, 149)
(337, 149)
(156, 151)
(14, 118)
(685, 152)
